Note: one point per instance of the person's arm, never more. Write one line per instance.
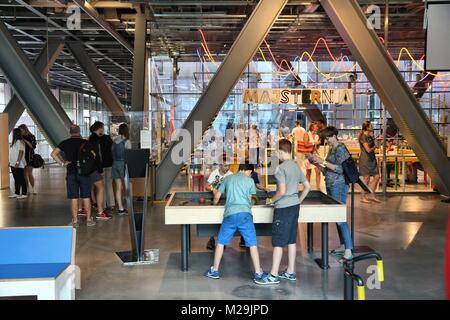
(306, 189)
(341, 156)
(20, 155)
(367, 148)
(56, 155)
(28, 143)
(217, 196)
(281, 191)
(260, 187)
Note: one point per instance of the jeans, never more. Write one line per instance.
(338, 192)
(19, 180)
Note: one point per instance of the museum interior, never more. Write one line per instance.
(170, 100)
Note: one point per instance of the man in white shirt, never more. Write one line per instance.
(298, 134)
(214, 181)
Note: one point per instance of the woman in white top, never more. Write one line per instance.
(18, 164)
(311, 138)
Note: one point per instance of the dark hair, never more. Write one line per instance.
(285, 145)
(97, 125)
(365, 126)
(16, 135)
(246, 167)
(321, 121)
(124, 130)
(328, 132)
(24, 127)
(297, 123)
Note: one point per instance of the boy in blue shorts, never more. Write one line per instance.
(238, 188)
(285, 214)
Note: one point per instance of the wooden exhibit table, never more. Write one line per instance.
(183, 208)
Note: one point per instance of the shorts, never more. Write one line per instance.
(78, 187)
(95, 177)
(242, 221)
(284, 226)
(118, 170)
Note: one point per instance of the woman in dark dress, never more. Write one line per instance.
(30, 145)
(368, 166)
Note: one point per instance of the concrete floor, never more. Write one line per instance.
(407, 230)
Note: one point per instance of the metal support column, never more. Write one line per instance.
(97, 79)
(138, 91)
(395, 94)
(32, 90)
(220, 86)
(43, 63)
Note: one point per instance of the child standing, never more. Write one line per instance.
(238, 188)
(285, 215)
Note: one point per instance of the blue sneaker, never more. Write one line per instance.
(287, 276)
(258, 276)
(211, 273)
(267, 279)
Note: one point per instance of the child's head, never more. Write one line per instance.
(284, 149)
(330, 136)
(224, 167)
(246, 168)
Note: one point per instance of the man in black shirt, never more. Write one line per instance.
(78, 187)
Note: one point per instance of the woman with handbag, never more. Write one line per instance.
(368, 166)
(30, 144)
(336, 185)
(312, 141)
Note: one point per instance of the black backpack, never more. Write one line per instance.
(36, 161)
(351, 173)
(86, 163)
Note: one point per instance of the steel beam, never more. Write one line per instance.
(314, 113)
(90, 10)
(43, 63)
(139, 67)
(209, 104)
(32, 90)
(395, 94)
(97, 79)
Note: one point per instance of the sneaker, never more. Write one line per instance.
(90, 222)
(211, 245)
(257, 276)
(81, 212)
(287, 276)
(22, 197)
(211, 273)
(268, 279)
(74, 224)
(346, 258)
(13, 196)
(103, 216)
(122, 212)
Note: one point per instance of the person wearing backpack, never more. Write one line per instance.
(67, 154)
(97, 177)
(120, 144)
(336, 185)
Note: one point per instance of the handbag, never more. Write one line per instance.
(36, 161)
(351, 173)
(302, 148)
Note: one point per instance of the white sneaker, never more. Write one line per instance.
(21, 197)
(13, 196)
